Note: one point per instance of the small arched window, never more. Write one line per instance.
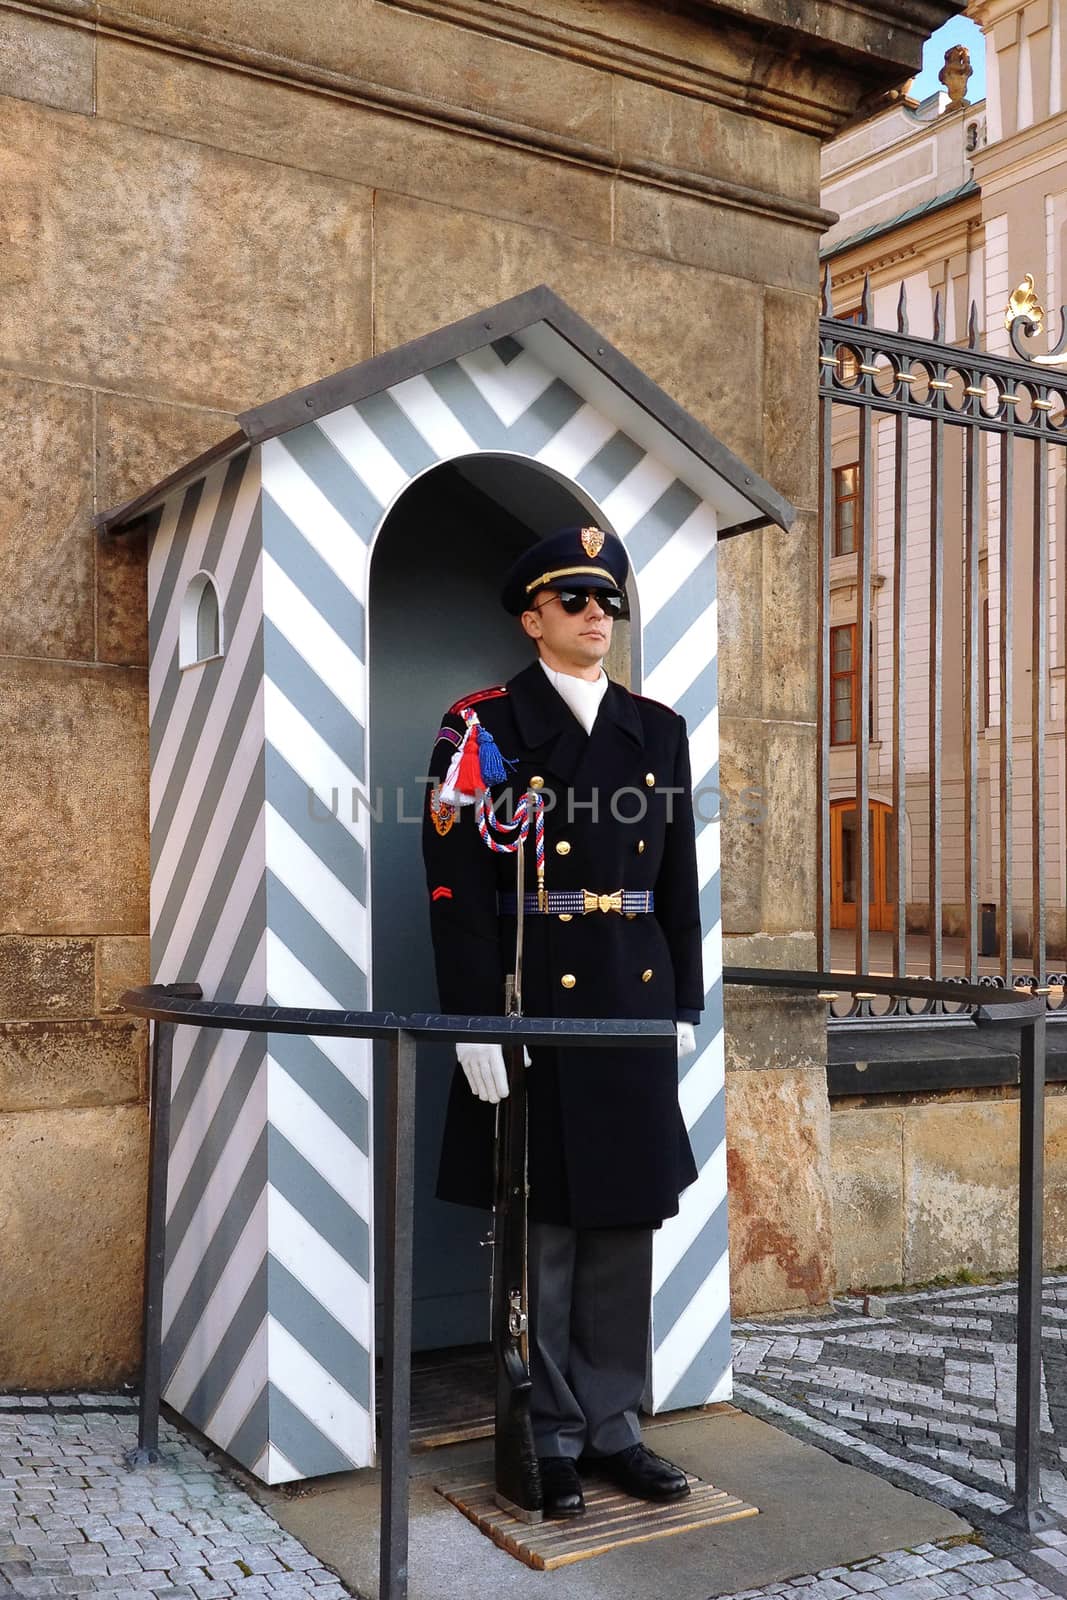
(200, 630)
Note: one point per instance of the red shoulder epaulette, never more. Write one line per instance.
(475, 699)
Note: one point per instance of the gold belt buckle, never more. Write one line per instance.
(601, 902)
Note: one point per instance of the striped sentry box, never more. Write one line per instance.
(268, 1308)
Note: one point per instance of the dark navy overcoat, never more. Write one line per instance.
(608, 1147)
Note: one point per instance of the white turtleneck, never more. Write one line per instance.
(582, 696)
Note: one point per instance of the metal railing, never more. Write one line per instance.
(175, 1005)
(957, 455)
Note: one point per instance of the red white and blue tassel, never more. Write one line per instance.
(476, 765)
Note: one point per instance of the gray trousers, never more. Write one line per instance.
(590, 1293)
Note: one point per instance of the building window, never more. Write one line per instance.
(200, 626)
(846, 503)
(843, 671)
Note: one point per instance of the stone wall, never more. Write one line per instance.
(209, 204)
(924, 1188)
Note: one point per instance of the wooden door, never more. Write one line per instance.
(844, 865)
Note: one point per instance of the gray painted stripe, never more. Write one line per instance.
(209, 1152)
(507, 349)
(300, 1442)
(219, 1249)
(463, 398)
(209, 677)
(614, 461)
(710, 898)
(685, 607)
(168, 693)
(316, 580)
(332, 475)
(704, 1371)
(651, 532)
(709, 1130)
(172, 565)
(686, 1276)
(712, 1021)
(324, 1083)
(321, 1335)
(318, 1202)
(236, 468)
(698, 700)
(301, 685)
(214, 882)
(310, 943)
(541, 421)
(310, 815)
(230, 1351)
(236, 971)
(397, 433)
(250, 1440)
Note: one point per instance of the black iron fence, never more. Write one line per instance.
(177, 1005)
(942, 843)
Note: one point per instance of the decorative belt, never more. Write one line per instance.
(578, 902)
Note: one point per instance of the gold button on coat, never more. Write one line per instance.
(566, 916)
(563, 847)
(650, 779)
(646, 975)
(640, 847)
(537, 783)
(567, 980)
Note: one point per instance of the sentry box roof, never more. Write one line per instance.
(568, 347)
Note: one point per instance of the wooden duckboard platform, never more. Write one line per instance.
(612, 1519)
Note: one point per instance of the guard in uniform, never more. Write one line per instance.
(612, 929)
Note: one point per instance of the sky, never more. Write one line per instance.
(959, 31)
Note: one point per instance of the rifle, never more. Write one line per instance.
(517, 1475)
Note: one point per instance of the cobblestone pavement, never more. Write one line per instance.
(924, 1396)
(75, 1521)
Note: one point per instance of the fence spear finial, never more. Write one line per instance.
(902, 309)
(972, 327)
(939, 319)
(827, 309)
(865, 301)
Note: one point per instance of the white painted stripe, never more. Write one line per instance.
(685, 660)
(353, 1058)
(577, 442)
(340, 545)
(365, 453)
(158, 554)
(708, 852)
(674, 1356)
(314, 761)
(673, 563)
(238, 902)
(233, 1159)
(325, 1402)
(696, 1206)
(711, 951)
(190, 563)
(243, 1390)
(318, 1139)
(195, 774)
(704, 747)
(228, 1044)
(443, 432)
(204, 877)
(724, 1388)
(703, 1081)
(290, 983)
(636, 494)
(311, 882)
(316, 1264)
(279, 1469)
(510, 389)
(221, 1305)
(312, 637)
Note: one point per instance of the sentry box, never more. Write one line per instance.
(320, 585)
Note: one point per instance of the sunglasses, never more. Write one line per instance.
(574, 601)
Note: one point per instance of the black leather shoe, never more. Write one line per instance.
(560, 1487)
(637, 1471)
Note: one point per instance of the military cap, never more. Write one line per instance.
(572, 558)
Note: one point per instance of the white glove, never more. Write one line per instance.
(687, 1039)
(483, 1068)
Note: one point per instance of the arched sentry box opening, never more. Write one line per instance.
(200, 626)
(356, 532)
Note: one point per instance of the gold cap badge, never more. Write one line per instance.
(592, 541)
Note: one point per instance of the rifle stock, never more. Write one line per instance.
(517, 1476)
